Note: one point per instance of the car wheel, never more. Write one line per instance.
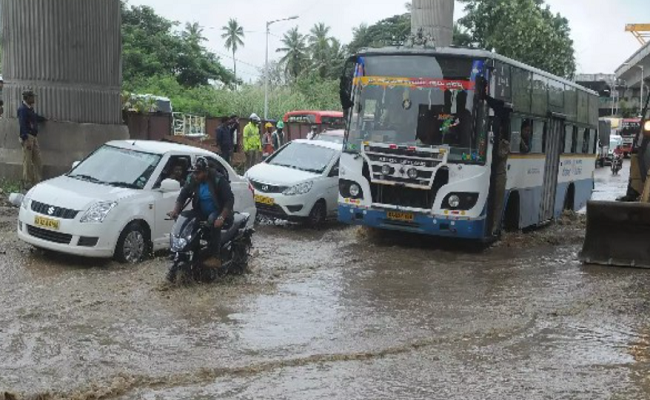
(318, 214)
(132, 245)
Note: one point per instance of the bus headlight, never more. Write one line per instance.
(412, 173)
(460, 201)
(354, 190)
(453, 201)
(386, 170)
(646, 126)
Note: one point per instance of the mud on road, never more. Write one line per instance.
(343, 313)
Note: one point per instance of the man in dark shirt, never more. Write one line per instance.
(28, 121)
(225, 137)
(212, 200)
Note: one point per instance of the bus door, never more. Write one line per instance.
(553, 150)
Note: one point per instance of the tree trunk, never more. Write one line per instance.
(234, 60)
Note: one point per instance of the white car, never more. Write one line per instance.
(299, 182)
(115, 202)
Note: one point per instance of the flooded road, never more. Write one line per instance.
(344, 313)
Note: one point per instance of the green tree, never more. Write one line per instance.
(384, 33)
(319, 47)
(152, 47)
(295, 56)
(234, 35)
(461, 37)
(525, 30)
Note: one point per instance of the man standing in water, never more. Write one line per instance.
(28, 121)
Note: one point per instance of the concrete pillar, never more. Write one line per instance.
(69, 53)
(435, 18)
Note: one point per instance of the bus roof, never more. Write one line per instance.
(465, 52)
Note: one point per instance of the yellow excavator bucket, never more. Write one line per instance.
(618, 234)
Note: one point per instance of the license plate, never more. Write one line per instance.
(264, 200)
(401, 216)
(47, 223)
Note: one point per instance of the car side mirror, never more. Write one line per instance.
(74, 164)
(170, 185)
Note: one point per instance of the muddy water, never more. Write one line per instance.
(338, 314)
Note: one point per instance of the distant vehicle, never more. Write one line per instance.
(325, 119)
(299, 182)
(334, 136)
(614, 141)
(628, 130)
(115, 202)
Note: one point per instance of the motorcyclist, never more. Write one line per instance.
(212, 201)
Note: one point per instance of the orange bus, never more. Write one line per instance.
(325, 119)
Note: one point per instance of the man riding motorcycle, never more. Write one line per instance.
(212, 201)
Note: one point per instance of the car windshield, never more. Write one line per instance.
(415, 100)
(304, 157)
(117, 167)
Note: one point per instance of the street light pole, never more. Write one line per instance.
(642, 83)
(266, 65)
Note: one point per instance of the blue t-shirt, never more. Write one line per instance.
(206, 200)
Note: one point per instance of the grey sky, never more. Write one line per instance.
(597, 25)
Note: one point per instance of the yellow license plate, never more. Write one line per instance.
(401, 216)
(264, 200)
(47, 223)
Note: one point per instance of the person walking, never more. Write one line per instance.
(267, 141)
(252, 143)
(28, 121)
(278, 136)
(225, 137)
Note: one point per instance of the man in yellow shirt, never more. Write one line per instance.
(252, 142)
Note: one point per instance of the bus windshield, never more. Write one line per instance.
(415, 100)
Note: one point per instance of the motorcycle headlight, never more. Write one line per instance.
(98, 212)
(298, 189)
(177, 243)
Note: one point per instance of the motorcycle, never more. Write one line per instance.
(617, 164)
(189, 245)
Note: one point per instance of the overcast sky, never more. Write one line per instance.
(597, 26)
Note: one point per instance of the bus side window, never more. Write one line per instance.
(515, 134)
(568, 139)
(537, 145)
(525, 146)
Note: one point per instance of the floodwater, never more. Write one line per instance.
(343, 313)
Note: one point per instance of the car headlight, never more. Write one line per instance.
(454, 201)
(298, 189)
(354, 190)
(98, 212)
(27, 199)
(412, 173)
(177, 243)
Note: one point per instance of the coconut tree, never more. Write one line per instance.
(319, 47)
(234, 35)
(295, 52)
(194, 33)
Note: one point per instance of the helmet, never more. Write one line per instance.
(201, 164)
(268, 125)
(280, 125)
(255, 118)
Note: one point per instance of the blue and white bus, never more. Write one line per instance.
(424, 152)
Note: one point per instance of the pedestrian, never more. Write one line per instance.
(312, 133)
(267, 141)
(252, 142)
(28, 121)
(278, 136)
(225, 137)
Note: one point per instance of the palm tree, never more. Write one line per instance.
(319, 47)
(337, 56)
(234, 35)
(295, 52)
(194, 32)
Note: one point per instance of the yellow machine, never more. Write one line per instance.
(618, 232)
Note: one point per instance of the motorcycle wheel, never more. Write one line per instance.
(241, 253)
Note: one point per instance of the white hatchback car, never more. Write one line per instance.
(115, 202)
(299, 182)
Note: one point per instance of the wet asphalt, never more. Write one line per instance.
(342, 313)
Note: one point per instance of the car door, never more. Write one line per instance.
(165, 202)
(332, 188)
